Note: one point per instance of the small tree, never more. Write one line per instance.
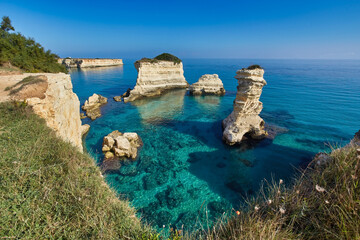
(6, 24)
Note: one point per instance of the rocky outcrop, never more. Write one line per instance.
(89, 62)
(245, 119)
(92, 106)
(208, 84)
(155, 77)
(356, 139)
(52, 98)
(118, 144)
(85, 129)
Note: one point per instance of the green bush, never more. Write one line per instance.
(27, 54)
(255, 66)
(162, 57)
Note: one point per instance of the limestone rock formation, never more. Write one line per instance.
(121, 145)
(245, 117)
(58, 105)
(85, 129)
(89, 62)
(209, 84)
(92, 106)
(155, 77)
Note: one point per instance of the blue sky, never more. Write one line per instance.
(192, 29)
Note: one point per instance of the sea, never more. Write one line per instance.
(185, 177)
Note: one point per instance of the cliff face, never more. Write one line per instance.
(208, 84)
(156, 77)
(245, 117)
(89, 62)
(57, 104)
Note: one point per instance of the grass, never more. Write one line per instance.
(49, 190)
(322, 203)
(20, 85)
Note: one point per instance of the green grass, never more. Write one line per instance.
(49, 190)
(20, 85)
(323, 203)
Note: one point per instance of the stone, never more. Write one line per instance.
(208, 84)
(127, 93)
(245, 117)
(122, 145)
(82, 116)
(92, 106)
(356, 139)
(109, 155)
(117, 98)
(85, 129)
(156, 77)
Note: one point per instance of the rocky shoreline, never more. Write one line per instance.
(89, 62)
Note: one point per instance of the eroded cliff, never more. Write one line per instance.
(52, 98)
(89, 62)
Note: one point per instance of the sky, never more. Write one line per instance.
(292, 29)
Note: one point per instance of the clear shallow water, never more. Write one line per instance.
(185, 175)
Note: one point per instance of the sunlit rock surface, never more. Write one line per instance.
(208, 84)
(156, 77)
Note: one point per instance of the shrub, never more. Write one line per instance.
(168, 57)
(255, 66)
(27, 54)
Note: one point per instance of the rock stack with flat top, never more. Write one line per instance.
(92, 106)
(208, 84)
(157, 75)
(245, 121)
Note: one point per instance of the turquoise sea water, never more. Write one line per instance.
(185, 175)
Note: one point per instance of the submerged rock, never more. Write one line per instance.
(245, 117)
(121, 145)
(208, 84)
(155, 76)
(92, 106)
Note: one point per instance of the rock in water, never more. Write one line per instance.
(92, 106)
(85, 129)
(156, 76)
(121, 145)
(117, 98)
(356, 139)
(245, 117)
(208, 84)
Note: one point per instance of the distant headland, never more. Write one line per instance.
(89, 62)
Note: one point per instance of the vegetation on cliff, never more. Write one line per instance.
(48, 190)
(162, 57)
(25, 53)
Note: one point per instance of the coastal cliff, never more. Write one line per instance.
(156, 77)
(208, 84)
(52, 98)
(245, 117)
(89, 62)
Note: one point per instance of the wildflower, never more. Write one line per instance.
(319, 189)
(256, 208)
(327, 202)
(297, 192)
(282, 210)
(269, 201)
(281, 181)
(163, 226)
(238, 213)
(353, 177)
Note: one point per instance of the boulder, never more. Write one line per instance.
(121, 145)
(85, 129)
(92, 106)
(245, 117)
(208, 84)
(117, 98)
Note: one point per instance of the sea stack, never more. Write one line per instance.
(92, 106)
(245, 119)
(157, 75)
(208, 84)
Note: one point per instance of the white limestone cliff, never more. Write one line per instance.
(60, 107)
(209, 84)
(245, 117)
(155, 77)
